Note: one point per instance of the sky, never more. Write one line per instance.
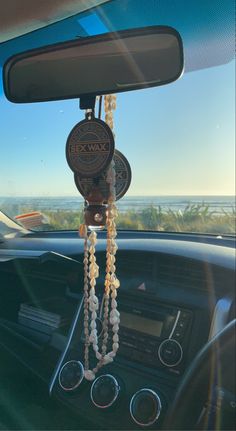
(179, 139)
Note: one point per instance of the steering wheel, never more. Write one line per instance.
(206, 398)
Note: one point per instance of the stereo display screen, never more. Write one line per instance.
(141, 324)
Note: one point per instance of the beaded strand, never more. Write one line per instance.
(91, 272)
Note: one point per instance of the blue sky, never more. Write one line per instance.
(179, 139)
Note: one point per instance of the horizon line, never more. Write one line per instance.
(127, 196)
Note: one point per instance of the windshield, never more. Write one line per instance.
(179, 138)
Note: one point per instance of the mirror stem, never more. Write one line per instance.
(87, 102)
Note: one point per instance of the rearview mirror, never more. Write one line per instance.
(103, 64)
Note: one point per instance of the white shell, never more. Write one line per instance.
(98, 355)
(113, 303)
(112, 354)
(115, 328)
(93, 325)
(115, 347)
(115, 338)
(107, 359)
(114, 320)
(89, 375)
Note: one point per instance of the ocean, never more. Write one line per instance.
(14, 205)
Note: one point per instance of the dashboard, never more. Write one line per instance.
(176, 293)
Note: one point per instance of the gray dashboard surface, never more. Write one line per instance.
(217, 255)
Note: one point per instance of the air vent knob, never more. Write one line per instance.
(104, 391)
(71, 375)
(145, 407)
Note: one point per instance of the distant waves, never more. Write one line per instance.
(137, 203)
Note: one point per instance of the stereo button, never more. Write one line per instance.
(182, 324)
(178, 335)
(184, 317)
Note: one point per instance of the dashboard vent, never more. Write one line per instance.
(163, 270)
(182, 272)
(137, 264)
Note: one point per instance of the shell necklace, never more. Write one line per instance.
(91, 272)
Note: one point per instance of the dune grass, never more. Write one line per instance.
(194, 218)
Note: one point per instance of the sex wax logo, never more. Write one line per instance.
(90, 148)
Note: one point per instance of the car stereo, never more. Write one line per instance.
(154, 335)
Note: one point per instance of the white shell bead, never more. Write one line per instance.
(89, 375)
(98, 356)
(115, 328)
(114, 313)
(93, 325)
(107, 359)
(114, 320)
(93, 236)
(93, 282)
(115, 347)
(113, 303)
(116, 283)
(115, 338)
(112, 354)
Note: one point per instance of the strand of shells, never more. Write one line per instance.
(91, 272)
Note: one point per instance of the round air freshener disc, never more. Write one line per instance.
(90, 148)
(123, 179)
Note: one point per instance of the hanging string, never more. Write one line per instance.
(100, 107)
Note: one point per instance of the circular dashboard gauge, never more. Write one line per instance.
(123, 179)
(71, 375)
(90, 147)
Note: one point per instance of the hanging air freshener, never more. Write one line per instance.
(90, 147)
(123, 179)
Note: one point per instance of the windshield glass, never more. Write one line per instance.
(179, 138)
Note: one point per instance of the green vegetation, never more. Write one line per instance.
(194, 218)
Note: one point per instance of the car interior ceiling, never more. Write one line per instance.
(17, 19)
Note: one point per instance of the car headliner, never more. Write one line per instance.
(207, 29)
(21, 17)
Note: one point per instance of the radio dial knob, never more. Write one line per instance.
(170, 353)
